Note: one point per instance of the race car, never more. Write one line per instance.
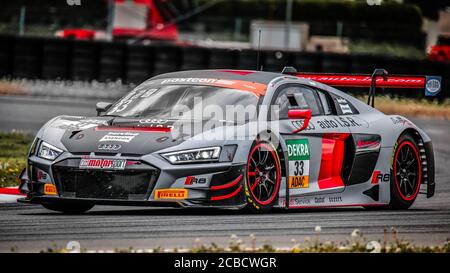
(237, 140)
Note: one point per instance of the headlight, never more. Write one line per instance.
(48, 151)
(194, 155)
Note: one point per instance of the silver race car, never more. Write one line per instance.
(235, 139)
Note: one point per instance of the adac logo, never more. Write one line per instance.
(171, 194)
(109, 147)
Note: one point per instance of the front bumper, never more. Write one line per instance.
(107, 202)
(221, 183)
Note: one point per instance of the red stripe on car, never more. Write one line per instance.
(139, 129)
(226, 196)
(228, 185)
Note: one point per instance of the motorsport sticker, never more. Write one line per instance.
(298, 155)
(119, 136)
(99, 163)
(171, 194)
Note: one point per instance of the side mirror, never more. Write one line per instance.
(304, 114)
(102, 107)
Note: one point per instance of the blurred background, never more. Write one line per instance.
(100, 48)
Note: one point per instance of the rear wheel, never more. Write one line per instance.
(69, 209)
(406, 173)
(263, 177)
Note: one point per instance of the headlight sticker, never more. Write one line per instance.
(299, 157)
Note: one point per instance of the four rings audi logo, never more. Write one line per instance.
(109, 147)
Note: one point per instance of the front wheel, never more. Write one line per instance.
(406, 173)
(69, 209)
(263, 177)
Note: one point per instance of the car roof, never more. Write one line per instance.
(262, 77)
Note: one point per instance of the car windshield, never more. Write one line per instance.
(186, 102)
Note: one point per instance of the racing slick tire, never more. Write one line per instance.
(69, 209)
(263, 177)
(406, 173)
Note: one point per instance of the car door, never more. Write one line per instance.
(315, 155)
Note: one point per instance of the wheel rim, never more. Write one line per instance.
(407, 171)
(263, 173)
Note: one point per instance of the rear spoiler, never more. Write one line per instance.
(379, 79)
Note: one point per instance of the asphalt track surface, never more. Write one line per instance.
(32, 228)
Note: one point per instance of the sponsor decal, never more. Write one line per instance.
(295, 202)
(298, 156)
(99, 163)
(171, 194)
(149, 92)
(119, 136)
(432, 85)
(257, 88)
(299, 124)
(319, 200)
(153, 121)
(343, 104)
(380, 177)
(127, 100)
(189, 80)
(301, 201)
(331, 123)
(399, 120)
(192, 180)
(164, 123)
(367, 143)
(162, 139)
(346, 122)
(109, 147)
(50, 189)
(335, 199)
(77, 124)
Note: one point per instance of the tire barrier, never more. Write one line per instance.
(307, 62)
(139, 63)
(6, 55)
(27, 58)
(84, 65)
(55, 59)
(166, 58)
(247, 59)
(223, 58)
(44, 58)
(112, 61)
(276, 60)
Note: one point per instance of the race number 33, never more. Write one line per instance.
(298, 156)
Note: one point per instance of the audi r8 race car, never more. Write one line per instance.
(235, 139)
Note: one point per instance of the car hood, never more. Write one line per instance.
(109, 135)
